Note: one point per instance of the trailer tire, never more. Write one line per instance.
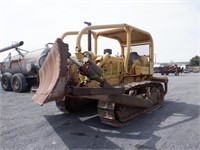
(6, 81)
(18, 83)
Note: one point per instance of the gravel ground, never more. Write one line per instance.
(24, 125)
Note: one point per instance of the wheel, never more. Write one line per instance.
(18, 82)
(6, 81)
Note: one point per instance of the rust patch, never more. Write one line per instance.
(52, 74)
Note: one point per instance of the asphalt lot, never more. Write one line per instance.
(175, 126)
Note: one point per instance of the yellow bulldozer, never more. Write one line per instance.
(121, 87)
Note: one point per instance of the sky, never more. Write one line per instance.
(173, 24)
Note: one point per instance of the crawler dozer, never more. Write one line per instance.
(122, 86)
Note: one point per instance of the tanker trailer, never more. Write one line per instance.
(20, 72)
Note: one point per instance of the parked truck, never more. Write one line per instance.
(20, 72)
(123, 85)
(167, 69)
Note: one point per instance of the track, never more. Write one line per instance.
(116, 114)
(120, 115)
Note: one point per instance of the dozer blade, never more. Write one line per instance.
(52, 74)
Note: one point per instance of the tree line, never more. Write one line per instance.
(195, 61)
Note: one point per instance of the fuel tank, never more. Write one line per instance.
(27, 63)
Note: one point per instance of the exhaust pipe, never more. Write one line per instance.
(89, 36)
(14, 45)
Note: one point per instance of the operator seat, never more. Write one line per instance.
(133, 56)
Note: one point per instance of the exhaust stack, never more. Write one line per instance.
(15, 45)
(89, 37)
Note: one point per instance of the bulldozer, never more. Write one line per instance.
(121, 87)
